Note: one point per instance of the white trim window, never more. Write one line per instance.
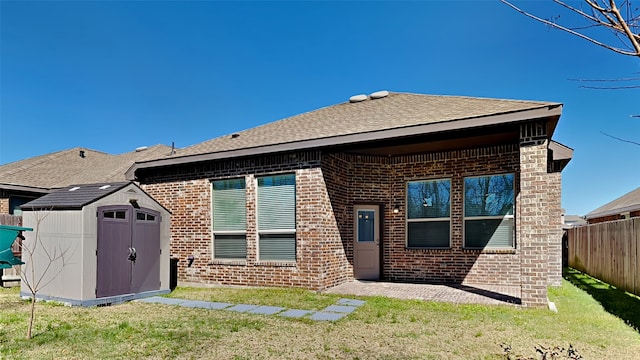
(229, 210)
(488, 211)
(277, 218)
(429, 214)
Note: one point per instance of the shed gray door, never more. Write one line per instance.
(128, 255)
(114, 239)
(145, 274)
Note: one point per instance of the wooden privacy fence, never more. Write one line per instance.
(13, 220)
(608, 251)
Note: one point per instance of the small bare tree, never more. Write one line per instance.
(613, 25)
(34, 249)
(620, 19)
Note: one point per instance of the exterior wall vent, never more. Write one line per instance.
(358, 98)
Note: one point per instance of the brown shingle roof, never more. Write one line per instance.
(397, 110)
(395, 116)
(63, 168)
(625, 203)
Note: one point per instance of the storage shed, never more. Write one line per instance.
(96, 244)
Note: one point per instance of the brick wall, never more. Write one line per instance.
(327, 188)
(186, 192)
(554, 249)
(382, 180)
(4, 205)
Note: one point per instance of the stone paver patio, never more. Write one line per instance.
(453, 293)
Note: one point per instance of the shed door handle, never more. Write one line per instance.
(132, 254)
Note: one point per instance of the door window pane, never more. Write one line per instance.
(366, 225)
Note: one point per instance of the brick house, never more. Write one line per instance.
(625, 207)
(393, 186)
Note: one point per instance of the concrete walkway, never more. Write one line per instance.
(335, 312)
(453, 293)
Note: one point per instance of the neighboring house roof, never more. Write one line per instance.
(573, 221)
(625, 203)
(393, 116)
(73, 166)
(75, 196)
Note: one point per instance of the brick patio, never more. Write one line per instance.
(452, 293)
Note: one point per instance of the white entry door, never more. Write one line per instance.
(366, 248)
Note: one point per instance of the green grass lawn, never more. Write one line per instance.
(381, 329)
(622, 304)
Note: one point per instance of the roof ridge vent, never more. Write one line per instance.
(141, 148)
(358, 98)
(379, 94)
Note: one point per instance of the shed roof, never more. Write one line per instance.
(392, 116)
(625, 203)
(74, 197)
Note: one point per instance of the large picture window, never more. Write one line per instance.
(229, 219)
(488, 211)
(277, 217)
(429, 214)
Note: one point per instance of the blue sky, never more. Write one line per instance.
(115, 75)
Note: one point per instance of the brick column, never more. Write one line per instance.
(555, 229)
(4, 202)
(533, 214)
(4, 206)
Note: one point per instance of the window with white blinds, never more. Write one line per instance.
(488, 211)
(277, 217)
(229, 219)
